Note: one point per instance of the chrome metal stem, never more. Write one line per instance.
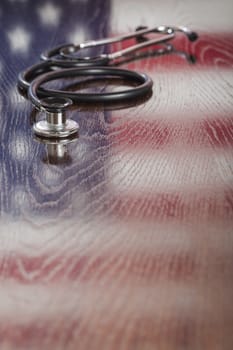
(57, 119)
(140, 46)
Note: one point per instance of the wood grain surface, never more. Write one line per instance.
(126, 243)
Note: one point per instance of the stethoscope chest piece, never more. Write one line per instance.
(56, 125)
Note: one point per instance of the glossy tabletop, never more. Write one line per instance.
(122, 239)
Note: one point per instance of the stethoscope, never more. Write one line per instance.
(63, 62)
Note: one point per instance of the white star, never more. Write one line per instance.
(19, 148)
(20, 199)
(49, 14)
(19, 40)
(77, 36)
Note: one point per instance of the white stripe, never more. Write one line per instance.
(23, 305)
(188, 95)
(141, 171)
(127, 14)
(62, 238)
(22, 238)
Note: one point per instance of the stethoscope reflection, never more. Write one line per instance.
(57, 150)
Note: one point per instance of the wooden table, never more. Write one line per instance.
(125, 241)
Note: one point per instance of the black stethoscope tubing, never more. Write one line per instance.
(28, 75)
(144, 85)
(54, 55)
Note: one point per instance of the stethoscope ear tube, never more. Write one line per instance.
(57, 57)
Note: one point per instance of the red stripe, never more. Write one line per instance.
(156, 134)
(214, 50)
(101, 332)
(168, 329)
(219, 131)
(118, 267)
(161, 206)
